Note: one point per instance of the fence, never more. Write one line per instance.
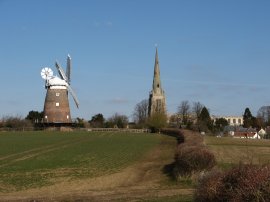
(75, 129)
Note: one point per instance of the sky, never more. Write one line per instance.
(216, 52)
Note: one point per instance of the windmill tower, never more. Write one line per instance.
(157, 100)
(56, 106)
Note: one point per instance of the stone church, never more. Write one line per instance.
(157, 101)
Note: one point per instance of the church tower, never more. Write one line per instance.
(157, 101)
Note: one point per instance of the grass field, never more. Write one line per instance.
(35, 159)
(230, 151)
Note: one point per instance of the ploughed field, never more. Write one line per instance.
(36, 159)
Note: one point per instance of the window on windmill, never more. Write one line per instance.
(57, 104)
(57, 94)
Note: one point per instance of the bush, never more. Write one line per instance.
(243, 183)
(175, 133)
(16, 123)
(191, 155)
(193, 139)
(191, 159)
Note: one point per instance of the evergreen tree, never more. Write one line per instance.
(248, 118)
(204, 121)
(220, 123)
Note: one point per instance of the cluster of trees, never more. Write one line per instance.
(261, 121)
(98, 121)
(34, 119)
(197, 117)
(142, 119)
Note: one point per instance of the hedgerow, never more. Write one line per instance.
(191, 155)
(192, 159)
(242, 183)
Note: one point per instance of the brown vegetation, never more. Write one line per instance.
(191, 155)
(242, 183)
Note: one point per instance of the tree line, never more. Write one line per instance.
(191, 115)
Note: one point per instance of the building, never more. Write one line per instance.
(232, 120)
(157, 100)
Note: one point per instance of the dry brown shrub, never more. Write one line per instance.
(243, 183)
(191, 159)
(209, 186)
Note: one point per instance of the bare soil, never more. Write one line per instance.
(138, 182)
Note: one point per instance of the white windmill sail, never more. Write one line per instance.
(66, 78)
(68, 70)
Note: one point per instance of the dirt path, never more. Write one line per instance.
(143, 180)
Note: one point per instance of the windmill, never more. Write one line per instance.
(56, 106)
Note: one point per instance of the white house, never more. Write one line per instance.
(262, 133)
(249, 135)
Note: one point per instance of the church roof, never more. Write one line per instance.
(157, 88)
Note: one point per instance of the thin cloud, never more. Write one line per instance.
(118, 101)
(102, 24)
(109, 24)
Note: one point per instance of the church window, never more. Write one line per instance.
(57, 104)
(57, 94)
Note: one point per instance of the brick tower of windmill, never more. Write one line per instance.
(157, 100)
(56, 106)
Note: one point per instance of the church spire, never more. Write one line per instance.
(157, 100)
(156, 81)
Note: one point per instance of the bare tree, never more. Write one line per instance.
(197, 108)
(264, 114)
(184, 110)
(140, 113)
(16, 122)
(117, 120)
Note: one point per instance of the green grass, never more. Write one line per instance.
(230, 151)
(34, 159)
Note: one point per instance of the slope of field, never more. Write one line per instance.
(88, 167)
(35, 159)
(230, 151)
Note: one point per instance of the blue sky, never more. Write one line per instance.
(213, 51)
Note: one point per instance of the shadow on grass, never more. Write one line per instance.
(168, 170)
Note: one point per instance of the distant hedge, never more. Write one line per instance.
(191, 155)
(175, 133)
